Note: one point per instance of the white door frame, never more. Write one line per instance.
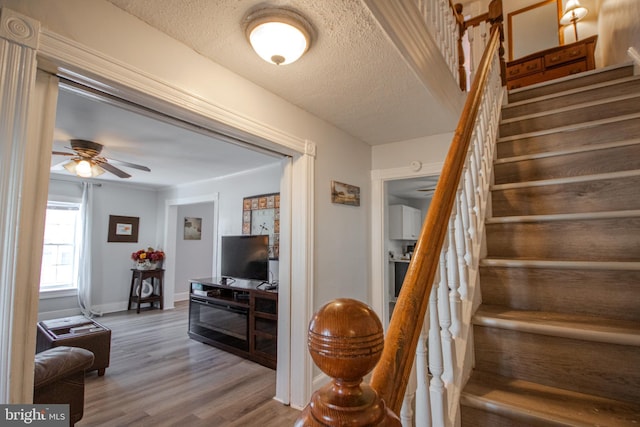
(379, 233)
(81, 64)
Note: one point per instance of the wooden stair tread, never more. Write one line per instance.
(569, 95)
(535, 404)
(635, 213)
(567, 151)
(575, 326)
(552, 112)
(571, 82)
(583, 265)
(568, 128)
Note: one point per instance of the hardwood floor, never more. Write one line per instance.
(158, 376)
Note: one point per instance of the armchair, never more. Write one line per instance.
(59, 378)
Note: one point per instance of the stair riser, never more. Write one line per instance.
(607, 370)
(575, 197)
(613, 159)
(589, 292)
(583, 137)
(571, 99)
(615, 239)
(573, 116)
(582, 81)
(473, 417)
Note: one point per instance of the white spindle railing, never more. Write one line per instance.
(443, 28)
(441, 350)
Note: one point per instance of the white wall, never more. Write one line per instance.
(429, 149)
(194, 258)
(103, 27)
(619, 29)
(111, 263)
(231, 190)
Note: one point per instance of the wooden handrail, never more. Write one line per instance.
(392, 372)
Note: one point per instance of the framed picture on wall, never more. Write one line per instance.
(192, 228)
(123, 229)
(345, 194)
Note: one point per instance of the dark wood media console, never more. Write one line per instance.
(236, 316)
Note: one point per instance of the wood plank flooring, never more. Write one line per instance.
(158, 376)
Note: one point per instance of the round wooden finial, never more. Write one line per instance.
(345, 341)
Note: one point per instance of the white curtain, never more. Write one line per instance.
(84, 269)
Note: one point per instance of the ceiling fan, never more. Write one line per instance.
(86, 161)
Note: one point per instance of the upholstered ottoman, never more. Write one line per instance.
(77, 331)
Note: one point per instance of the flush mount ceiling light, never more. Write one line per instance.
(279, 36)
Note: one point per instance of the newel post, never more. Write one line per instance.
(345, 341)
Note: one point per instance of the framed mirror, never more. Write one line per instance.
(534, 28)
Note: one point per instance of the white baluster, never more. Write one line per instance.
(454, 279)
(471, 35)
(406, 411)
(470, 199)
(436, 386)
(423, 404)
(462, 249)
(444, 315)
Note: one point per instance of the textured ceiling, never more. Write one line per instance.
(352, 77)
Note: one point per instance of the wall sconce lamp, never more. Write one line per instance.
(279, 36)
(83, 168)
(573, 12)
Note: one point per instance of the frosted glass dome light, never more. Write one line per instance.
(278, 36)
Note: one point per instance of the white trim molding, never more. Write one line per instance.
(19, 227)
(379, 256)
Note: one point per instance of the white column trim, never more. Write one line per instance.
(18, 39)
(302, 280)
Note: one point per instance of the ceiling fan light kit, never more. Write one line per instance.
(87, 162)
(83, 168)
(279, 36)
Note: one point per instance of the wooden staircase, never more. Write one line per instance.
(557, 336)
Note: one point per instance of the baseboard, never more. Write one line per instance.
(57, 314)
(180, 296)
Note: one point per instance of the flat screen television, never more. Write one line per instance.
(245, 257)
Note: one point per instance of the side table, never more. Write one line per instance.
(77, 331)
(136, 292)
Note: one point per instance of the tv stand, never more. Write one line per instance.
(238, 316)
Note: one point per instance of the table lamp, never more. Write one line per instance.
(573, 12)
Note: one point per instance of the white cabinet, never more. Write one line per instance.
(405, 222)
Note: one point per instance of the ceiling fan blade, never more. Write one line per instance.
(62, 153)
(131, 165)
(114, 170)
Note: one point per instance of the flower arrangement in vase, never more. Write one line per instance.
(148, 259)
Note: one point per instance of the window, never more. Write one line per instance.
(60, 254)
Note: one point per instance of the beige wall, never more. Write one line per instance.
(618, 29)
